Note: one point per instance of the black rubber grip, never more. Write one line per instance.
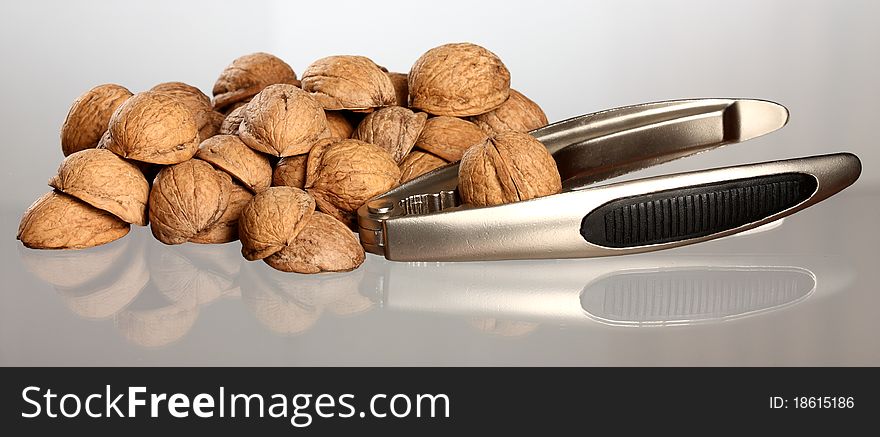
(695, 211)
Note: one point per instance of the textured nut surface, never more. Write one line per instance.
(283, 120)
(272, 220)
(212, 121)
(290, 172)
(106, 181)
(225, 229)
(186, 199)
(323, 245)
(348, 82)
(394, 129)
(340, 127)
(230, 154)
(518, 113)
(343, 175)
(458, 79)
(153, 127)
(248, 75)
(508, 167)
(207, 120)
(232, 121)
(59, 221)
(401, 87)
(418, 163)
(89, 116)
(448, 137)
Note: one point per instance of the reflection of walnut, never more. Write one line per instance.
(283, 120)
(343, 175)
(518, 114)
(449, 137)
(89, 116)
(508, 167)
(290, 172)
(394, 129)
(186, 199)
(418, 163)
(59, 221)
(153, 127)
(248, 75)
(230, 154)
(106, 181)
(348, 82)
(459, 80)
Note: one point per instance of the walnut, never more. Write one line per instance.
(199, 104)
(508, 167)
(448, 137)
(290, 172)
(186, 199)
(272, 220)
(106, 181)
(518, 114)
(230, 154)
(348, 82)
(248, 75)
(394, 129)
(340, 127)
(59, 221)
(401, 87)
(232, 121)
(213, 120)
(153, 127)
(418, 163)
(283, 120)
(323, 245)
(89, 115)
(343, 175)
(459, 79)
(225, 229)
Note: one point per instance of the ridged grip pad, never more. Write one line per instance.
(695, 211)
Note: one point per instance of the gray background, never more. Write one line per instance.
(803, 293)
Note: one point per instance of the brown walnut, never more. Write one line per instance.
(89, 116)
(232, 121)
(106, 181)
(401, 88)
(348, 82)
(418, 163)
(153, 127)
(448, 137)
(394, 129)
(248, 75)
(230, 154)
(225, 229)
(508, 167)
(283, 120)
(460, 79)
(290, 172)
(340, 127)
(518, 113)
(323, 245)
(272, 220)
(59, 221)
(186, 199)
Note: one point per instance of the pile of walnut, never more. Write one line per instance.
(283, 163)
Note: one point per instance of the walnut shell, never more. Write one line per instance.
(272, 220)
(199, 104)
(418, 163)
(401, 87)
(343, 175)
(211, 123)
(89, 116)
(225, 229)
(508, 167)
(394, 129)
(248, 75)
(460, 79)
(323, 245)
(449, 137)
(232, 121)
(290, 172)
(154, 127)
(230, 154)
(106, 181)
(348, 82)
(283, 120)
(340, 127)
(59, 221)
(518, 113)
(186, 199)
